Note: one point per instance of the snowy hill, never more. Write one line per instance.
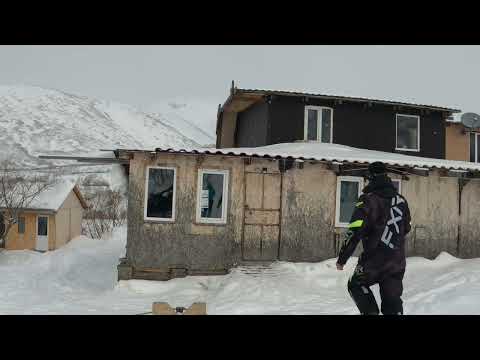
(194, 118)
(36, 121)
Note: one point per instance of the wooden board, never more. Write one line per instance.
(271, 191)
(254, 190)
(262, 217)
(270, 243)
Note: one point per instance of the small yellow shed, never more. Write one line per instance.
(50, 221)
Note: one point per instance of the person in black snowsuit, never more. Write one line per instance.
(381, 219)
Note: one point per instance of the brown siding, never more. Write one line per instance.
(76, 216)
(52, 233)
(62, 227)
(457, 143)
(252, 126)
(227, 134)
(17, 241)
(68, 220)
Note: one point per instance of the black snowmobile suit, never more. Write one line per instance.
(381, 219)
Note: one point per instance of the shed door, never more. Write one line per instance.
(42, 233)
(261, 230)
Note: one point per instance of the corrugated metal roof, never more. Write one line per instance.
(346, 98)
(333, 153)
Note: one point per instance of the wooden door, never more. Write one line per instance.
(261, 230)
(42, 233)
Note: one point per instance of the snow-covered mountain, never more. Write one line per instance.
(194, 118)
(36, 121)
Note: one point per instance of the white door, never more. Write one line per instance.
(42, 233)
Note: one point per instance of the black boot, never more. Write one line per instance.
(362, 296)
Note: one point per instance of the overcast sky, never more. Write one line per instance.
(145, 75)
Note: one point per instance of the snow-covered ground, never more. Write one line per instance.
(80, 278)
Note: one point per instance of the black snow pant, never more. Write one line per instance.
(391, 289)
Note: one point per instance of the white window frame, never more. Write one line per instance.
(476, 160)
(360, 182)
(174, 203)
(319, 124)
(399, 185)
(396, 132)
(225, 196)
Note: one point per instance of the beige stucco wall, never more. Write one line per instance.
(457, 146)
(433, 202)
(306, 215)
(183, 243)
(469, 242)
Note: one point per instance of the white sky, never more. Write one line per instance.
(146, 75)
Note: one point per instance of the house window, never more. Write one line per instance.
(398, 185)
(318, 124)
(160, 194)
(474, 148)
(349, 189)
(212, 196)
(408, 132)
(21, 225)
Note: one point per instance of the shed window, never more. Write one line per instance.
(474, 148)
(349, 189)
(160, 193)
(212, 196)
(408, 132)
(318, 124)
(21, 225)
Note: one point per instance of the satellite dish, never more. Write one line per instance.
(471, 120)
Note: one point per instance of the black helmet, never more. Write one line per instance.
(377, 168)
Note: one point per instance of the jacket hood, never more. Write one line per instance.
(382, 186)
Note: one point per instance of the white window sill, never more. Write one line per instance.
(158, 220)
(412, 150)
(313, 141)
(210, 222)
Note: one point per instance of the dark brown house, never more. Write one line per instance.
(252, 118)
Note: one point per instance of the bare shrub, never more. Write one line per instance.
(106, 211)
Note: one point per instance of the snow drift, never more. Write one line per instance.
(80, 278)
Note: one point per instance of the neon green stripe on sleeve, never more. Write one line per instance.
(356, 224)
